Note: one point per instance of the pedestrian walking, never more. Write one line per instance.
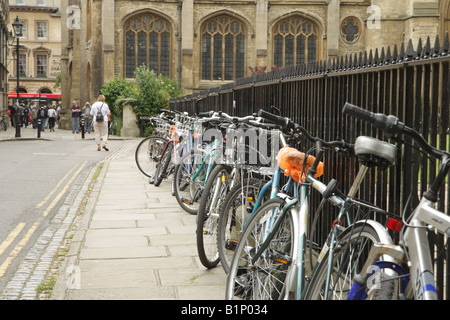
(87, 117)
(51, 118)
(76, 113)
(42, 115)
(19, 118)
(58, 114)
(34, 111)
(100, 111)
(26, 114)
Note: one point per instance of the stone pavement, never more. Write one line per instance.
(135, 242)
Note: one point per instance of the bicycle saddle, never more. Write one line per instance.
(374, 152)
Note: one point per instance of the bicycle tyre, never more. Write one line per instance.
(230, 222)
(263, 279)
(354, 242)
(161, 169)
(184, 186)
(148, 153)
(207, 216)
(3, 125)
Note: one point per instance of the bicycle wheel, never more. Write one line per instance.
(189, 179)
(214, 193)
(3, 125)
(162, 167)
(237, 208)
(263, 277)
(348, 258)
(148, 154)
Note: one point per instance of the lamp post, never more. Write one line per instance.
(17, 25)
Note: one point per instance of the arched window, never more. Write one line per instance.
(295, 41)
(223, 49)
(147, 41)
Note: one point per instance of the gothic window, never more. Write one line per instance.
(147, 42)
(350, 29)
(223, 49)
(295, 41)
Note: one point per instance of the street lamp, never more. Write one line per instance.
(17, 25)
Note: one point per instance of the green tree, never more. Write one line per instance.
(149, 93)
(116, 90)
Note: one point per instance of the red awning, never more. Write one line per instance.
(22, 95)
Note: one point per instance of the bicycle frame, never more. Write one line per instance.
(299, 206)
(423, 285)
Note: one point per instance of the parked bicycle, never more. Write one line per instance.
(272, 256)
(226, 174)
(411, 274)
(3, 124)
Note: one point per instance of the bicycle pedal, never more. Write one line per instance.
(186, 201)
(231, 245)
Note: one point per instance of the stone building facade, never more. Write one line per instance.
(205, 43)
(39, 46)
(4, 27)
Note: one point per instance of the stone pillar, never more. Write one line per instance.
(261, 33)
(187, 45)
(423, 22)
(333, 28)
(70, 65)
(129, 127)
(108, 39)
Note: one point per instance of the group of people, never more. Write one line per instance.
(92, 115)
(25, 115)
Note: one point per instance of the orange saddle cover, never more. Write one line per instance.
(291, 160)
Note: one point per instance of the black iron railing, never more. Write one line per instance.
(411, 83)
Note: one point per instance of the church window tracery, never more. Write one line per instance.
(147, 42)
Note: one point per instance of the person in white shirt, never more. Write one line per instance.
(52, 118)
(100, 127)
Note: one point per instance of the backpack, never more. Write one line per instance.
(42, 113)
(99, 116)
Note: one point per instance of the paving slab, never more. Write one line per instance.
(138, 244)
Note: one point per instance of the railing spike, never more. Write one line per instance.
(419, 50)
(382, 57)
(395, 54)
(437, 47)
(329, 65)
(427, 48)
(410, 53)
(388, 55)
(370, 61)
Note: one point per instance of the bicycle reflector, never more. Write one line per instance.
(394, 225)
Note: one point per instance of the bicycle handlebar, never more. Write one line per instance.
(288, 125)
(391, 125)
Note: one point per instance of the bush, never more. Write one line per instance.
(149, 93)
(114, 91)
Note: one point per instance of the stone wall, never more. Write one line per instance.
(101, 57)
